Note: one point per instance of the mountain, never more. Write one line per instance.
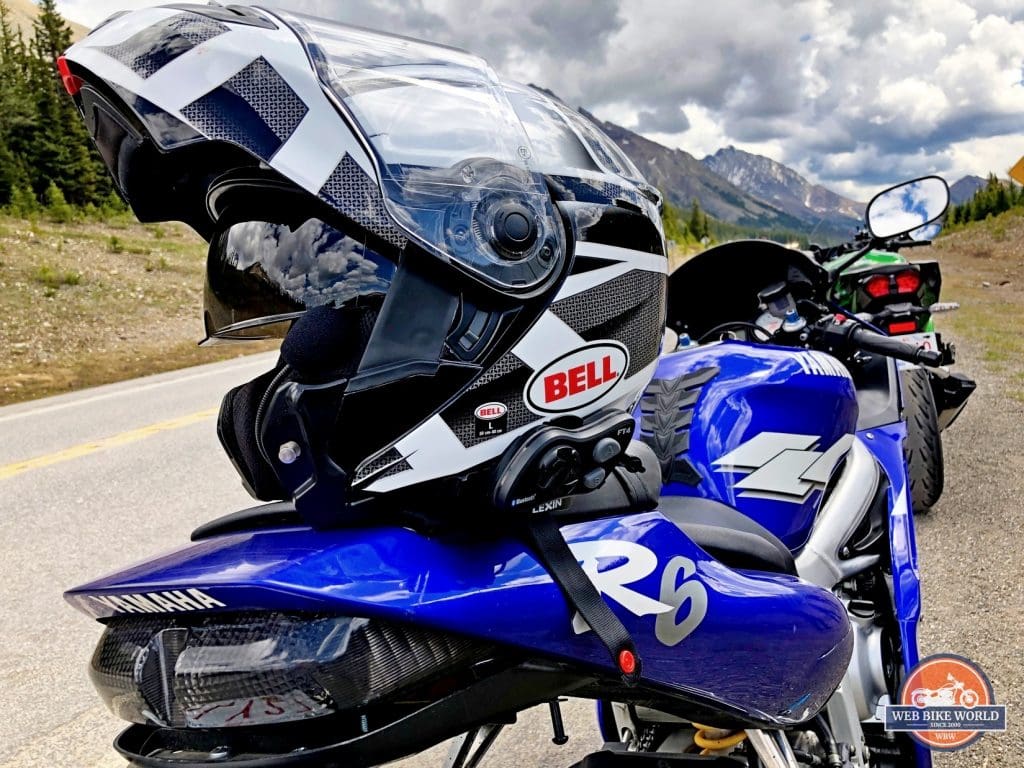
(964, 190)
(682, 177)
(24, 12)
(787, 190)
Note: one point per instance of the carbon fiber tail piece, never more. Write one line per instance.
(260, 669)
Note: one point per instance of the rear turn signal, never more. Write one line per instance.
(72, 83)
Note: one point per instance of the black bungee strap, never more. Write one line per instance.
(554, 554)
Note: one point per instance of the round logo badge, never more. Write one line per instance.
(952, 694)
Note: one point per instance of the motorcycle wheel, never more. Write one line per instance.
(923, 446)
(969, 698)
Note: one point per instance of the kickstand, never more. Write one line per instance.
(469, 749)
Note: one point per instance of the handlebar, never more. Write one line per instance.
(846, 336)
(897, 245)
(869, 341)
(827, 255)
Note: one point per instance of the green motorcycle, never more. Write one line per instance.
(885, 291)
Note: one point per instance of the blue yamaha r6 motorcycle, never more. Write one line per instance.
(268, 643)
(831, 482)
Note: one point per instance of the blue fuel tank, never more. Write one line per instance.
(757, 427)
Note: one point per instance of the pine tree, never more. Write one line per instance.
(16, 113)
(694, 224)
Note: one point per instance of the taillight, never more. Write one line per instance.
(877, 286)
(908, 281)
(902, 326)
(72, 83)
(905, 282)
(262, 668)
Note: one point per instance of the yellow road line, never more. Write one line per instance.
(77, 451)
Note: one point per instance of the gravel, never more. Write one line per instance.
(970, 549)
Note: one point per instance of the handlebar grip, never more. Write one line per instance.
(869, 341)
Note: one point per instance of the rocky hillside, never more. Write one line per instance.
(24, 12)
(750, 190)
(965, 189)
(786, 189)
(682, 177)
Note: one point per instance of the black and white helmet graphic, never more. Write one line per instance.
(451, 260)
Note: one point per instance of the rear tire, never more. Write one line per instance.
(923, 446)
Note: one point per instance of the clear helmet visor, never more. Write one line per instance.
(455, 164)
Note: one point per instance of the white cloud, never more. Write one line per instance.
(852, 95)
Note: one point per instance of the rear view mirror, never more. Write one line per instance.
(907, 207)
(927, 232)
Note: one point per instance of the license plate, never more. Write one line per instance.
(259, 710)
(927, 341)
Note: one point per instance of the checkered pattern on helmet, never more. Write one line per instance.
(506, 364)
(255, 109)
(272, 98)
(629, 309)
(597, 190)
(150, 50)
(640, 330)
(357, 196)
(609, 300)
(391, 459)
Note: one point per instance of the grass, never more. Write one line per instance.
(51, 278)
(983, 270)
(88, 303)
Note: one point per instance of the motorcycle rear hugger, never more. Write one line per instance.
(685, 610)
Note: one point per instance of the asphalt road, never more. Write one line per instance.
(99, 479)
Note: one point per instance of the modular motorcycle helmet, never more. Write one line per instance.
(456, 264)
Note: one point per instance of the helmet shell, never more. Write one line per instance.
(526, 251)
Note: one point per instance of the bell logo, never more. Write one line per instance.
(490, 411)
(580, 378)
(577, 379)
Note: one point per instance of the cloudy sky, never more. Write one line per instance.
(853, 95)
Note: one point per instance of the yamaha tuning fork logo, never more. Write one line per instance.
(946, 703)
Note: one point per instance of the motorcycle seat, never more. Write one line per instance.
(277, 514)
(723, 532)
(728, 535)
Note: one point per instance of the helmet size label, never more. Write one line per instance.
(491, 419)
(577, 379)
